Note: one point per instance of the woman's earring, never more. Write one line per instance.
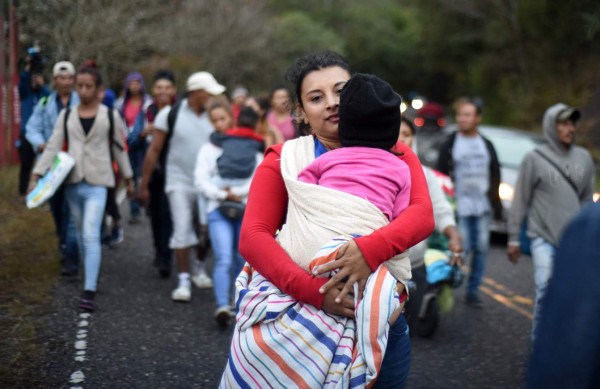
(304, 119)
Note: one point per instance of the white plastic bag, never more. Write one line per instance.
(49, 183)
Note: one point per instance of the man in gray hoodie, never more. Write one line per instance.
(555, 180)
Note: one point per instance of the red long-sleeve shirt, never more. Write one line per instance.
(265, 214)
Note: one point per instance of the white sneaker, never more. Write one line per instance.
(202, 281)
(182, 293)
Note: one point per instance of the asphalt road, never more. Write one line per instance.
(139, 338)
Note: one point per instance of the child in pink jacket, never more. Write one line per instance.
(366, 166)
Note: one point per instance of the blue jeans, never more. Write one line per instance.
(224, 236)
(475, 232)
(136, 159)
(65, 230)
(542, 254)
(87, 203)
(396, 361)
(160, 217)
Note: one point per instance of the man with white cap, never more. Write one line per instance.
(38, 130)
(190, 130)
(41, 123)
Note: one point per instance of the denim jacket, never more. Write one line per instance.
(41, 123)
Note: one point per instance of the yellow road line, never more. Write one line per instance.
(506, 302)
(522, 300)
(509, 300)
(510, 294)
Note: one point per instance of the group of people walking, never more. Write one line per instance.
(152, 144)
(317, 228)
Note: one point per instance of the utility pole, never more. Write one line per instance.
(4, 147)
(14, 79)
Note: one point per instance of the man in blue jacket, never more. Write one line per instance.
(32, 89)
(38, 130)
(566, 349)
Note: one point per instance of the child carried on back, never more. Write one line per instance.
(365, 166)
(240, 145)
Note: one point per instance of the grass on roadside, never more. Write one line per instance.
(29, 266)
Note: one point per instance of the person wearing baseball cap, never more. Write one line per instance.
(38, 130)
(185, 127)
(238, 100)
(555, 180)
(63, 68)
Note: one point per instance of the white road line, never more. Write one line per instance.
(80, 345)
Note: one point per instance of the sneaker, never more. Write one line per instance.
(474, 300)
(105, 241)
(182, 293)
(164, 272)
(202, 281)
(223, 316)
(67, 272)
(116, 236)
(86, 302)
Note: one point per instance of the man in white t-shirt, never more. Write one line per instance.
(471, 161)
(191, 129)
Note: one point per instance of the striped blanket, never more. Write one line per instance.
(279, 342)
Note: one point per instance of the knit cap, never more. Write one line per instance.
(369, 113)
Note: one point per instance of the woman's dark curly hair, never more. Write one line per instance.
(90, 67)
(310, 63)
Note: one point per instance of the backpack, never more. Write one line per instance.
(171, 119)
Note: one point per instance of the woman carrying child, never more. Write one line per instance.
(224, 170)
(319, 80)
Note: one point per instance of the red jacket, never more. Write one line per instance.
(265, 214)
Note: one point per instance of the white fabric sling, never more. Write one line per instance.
(316, 214)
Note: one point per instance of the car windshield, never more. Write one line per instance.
(511, 148)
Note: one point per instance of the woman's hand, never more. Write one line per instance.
(32, 182)
(147, 131)
(454, 245)
(352, 268)
(343, 308)
(233, 197)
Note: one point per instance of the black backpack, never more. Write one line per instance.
(171, 119)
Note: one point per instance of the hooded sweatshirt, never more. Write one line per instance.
(542, 194)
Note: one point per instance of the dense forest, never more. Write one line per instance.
(519, 56)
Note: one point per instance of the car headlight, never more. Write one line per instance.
(596, 197)
(506, 192)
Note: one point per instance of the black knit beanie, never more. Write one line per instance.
(369, 113)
